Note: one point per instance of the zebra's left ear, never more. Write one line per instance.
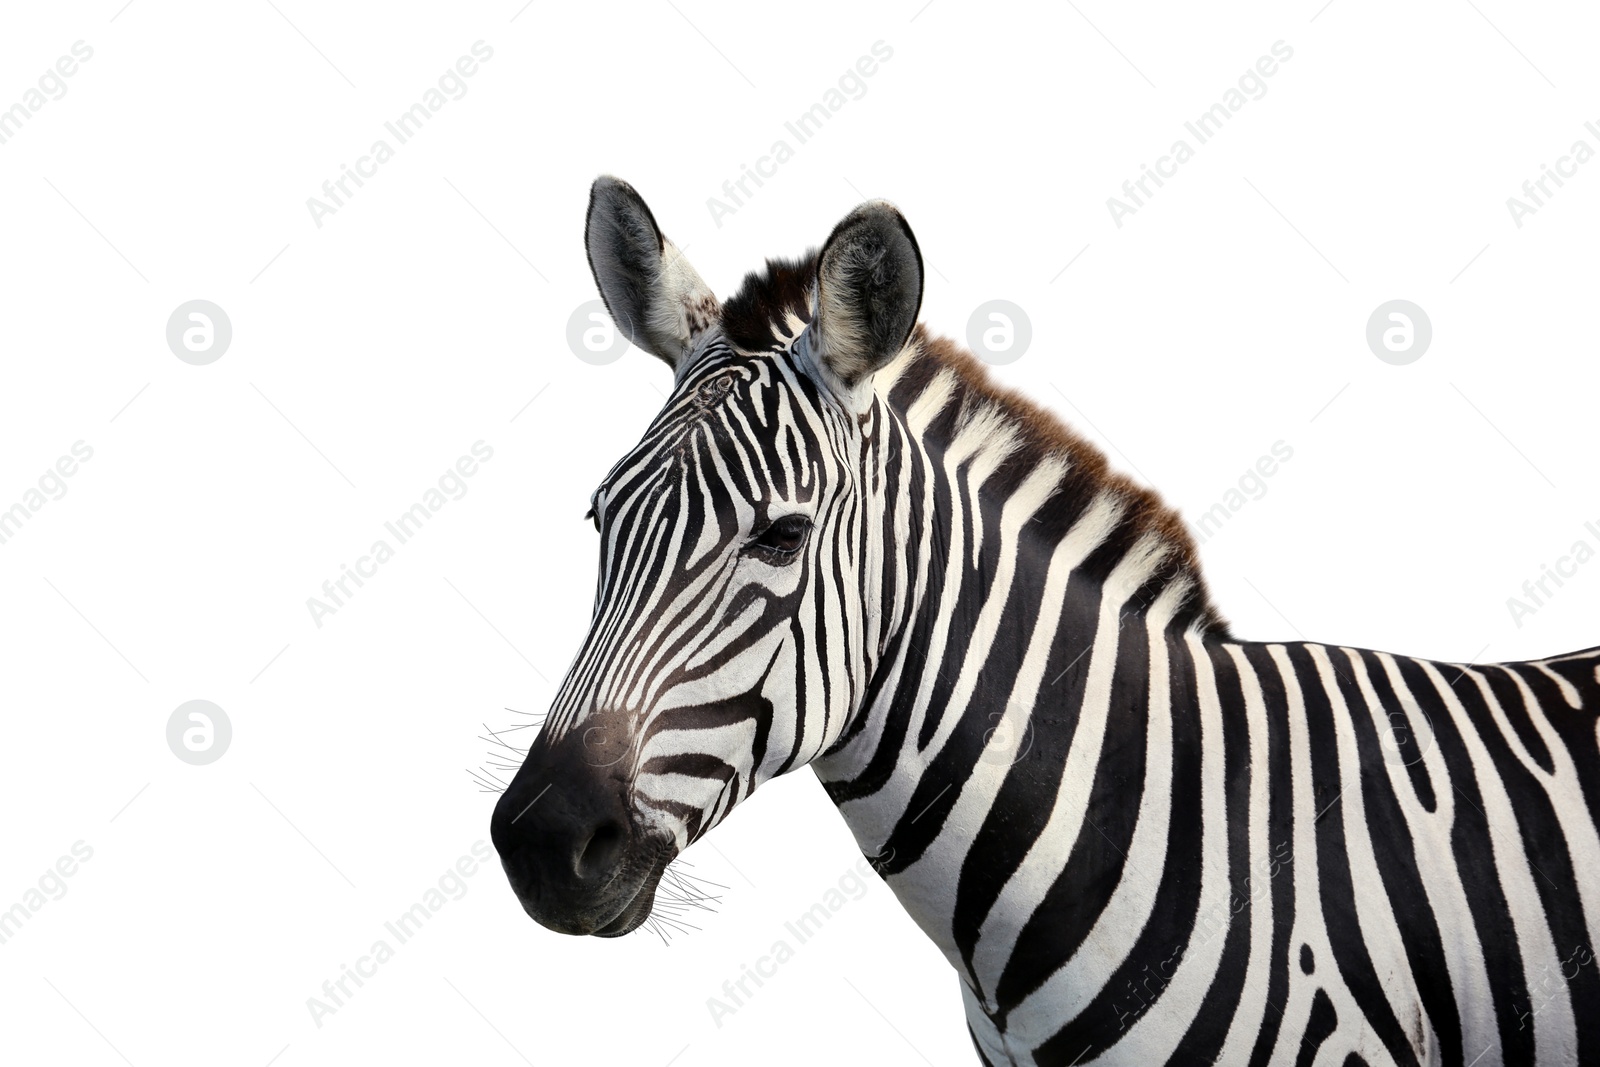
(869, 290)
(654, 295)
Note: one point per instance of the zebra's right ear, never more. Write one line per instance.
(654, 295)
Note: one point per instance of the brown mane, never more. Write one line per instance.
(765, 300)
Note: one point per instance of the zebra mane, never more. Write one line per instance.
(760, 316)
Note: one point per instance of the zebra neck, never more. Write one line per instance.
(1016, 617)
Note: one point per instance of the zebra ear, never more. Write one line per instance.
(654, 295)
(869, 289)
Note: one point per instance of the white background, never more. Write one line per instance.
(368, 354)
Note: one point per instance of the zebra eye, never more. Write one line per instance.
(785, 536)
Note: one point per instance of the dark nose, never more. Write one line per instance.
(563, 833)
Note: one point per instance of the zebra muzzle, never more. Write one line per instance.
(571, 849)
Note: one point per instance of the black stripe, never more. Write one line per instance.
(1319, 1027)
(1280, 847)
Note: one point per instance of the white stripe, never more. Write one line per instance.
(1569, 692)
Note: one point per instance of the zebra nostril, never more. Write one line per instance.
(602, 851)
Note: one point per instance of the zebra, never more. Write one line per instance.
(1136, 838)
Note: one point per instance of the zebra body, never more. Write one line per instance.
(1135, 838)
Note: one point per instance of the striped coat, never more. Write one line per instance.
(1135, 838)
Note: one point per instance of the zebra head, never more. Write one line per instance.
(736, 621)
